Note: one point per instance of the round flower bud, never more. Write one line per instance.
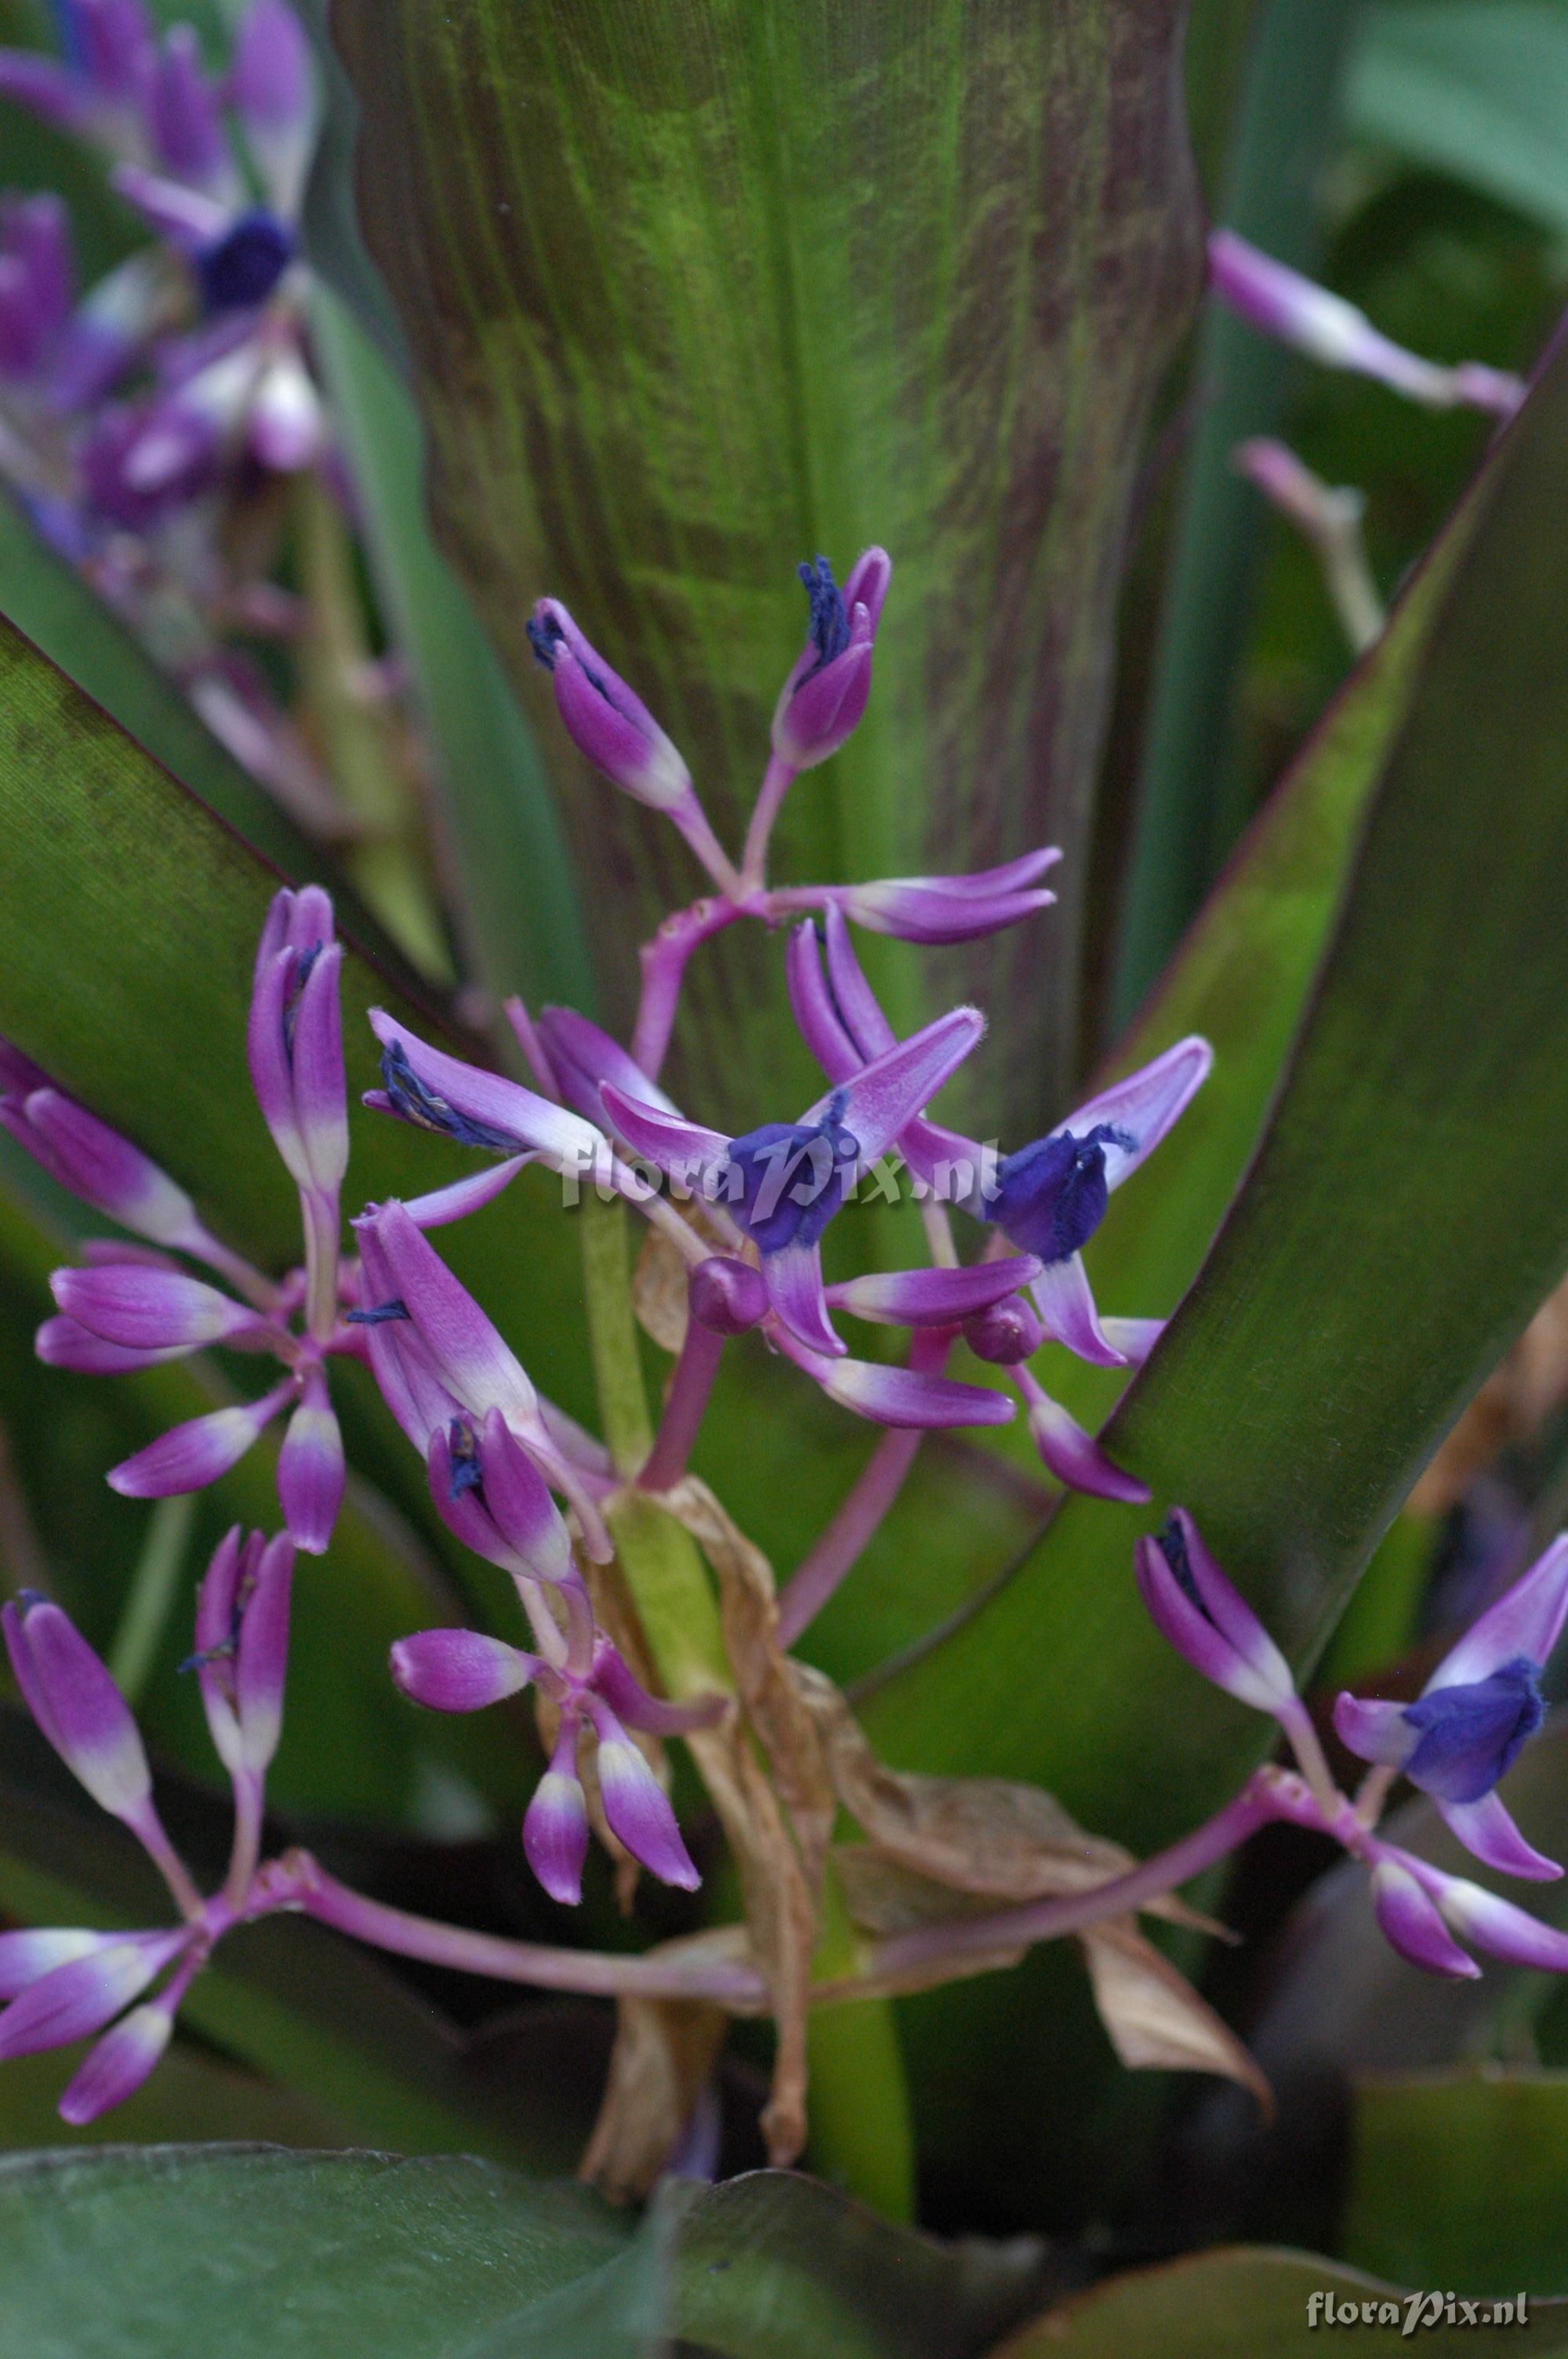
(1005, 1331)
(727, 1296)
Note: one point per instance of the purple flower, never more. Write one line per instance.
(825, 695)
(1281, 303)
(782, 1183)
(1480, 1705)
(434, 1092)
(130, 1309)
(463, 1670)
(613, 729)
(1208, 1621)
(936, 909)
(65, 1983)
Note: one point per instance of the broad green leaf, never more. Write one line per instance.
(689, 297)
(286, 2254)
(1252, 2303)
(1407, 1211)
(510, 880)
(1456, 2180)
(1186, 818)
(320, 2017)
(1475, 90)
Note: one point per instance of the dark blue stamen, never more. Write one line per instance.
(1172, 1542)
(418, 1103)
(244, 265)
(829, 626)
(379, 1315)
(1051, 1196)
(1471, 1734)
(291, 1004)
(545, 638)
(792, 1176)
(224, 1653)
(466, 1472)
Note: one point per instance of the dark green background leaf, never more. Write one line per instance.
(1460, 2180)
(689, 297)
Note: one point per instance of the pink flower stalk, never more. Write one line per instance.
(1281, 303)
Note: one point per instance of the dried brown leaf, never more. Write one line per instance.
(774, 1705)
(659, 1292)
(1154, 2015)
(664, 2055)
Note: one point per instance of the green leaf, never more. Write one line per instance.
(1456, 2180)
(1407, 1211)
(860, 278)
(1473, 88)
(511, 884)
(282, 2253)
(1187, 816)
(1252, 2303)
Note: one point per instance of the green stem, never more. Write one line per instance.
(862, 2130)
(663, 1569)
(151, 1595)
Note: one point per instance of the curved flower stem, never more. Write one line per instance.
(1044, 1920)
(310, 1889)
(777, 780)
(664, 960)
(847, 1538)
(687, 1399)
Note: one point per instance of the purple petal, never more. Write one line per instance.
(228, 1574)
(1409, 1923)
(894, 1087)
(461, 1508)
(517, 1117)
(461, 1197)
(261, 1663)
(1184, 1627)
(116, 42)
(183, 111)
(466, 1351)
(554, 1828)
(266, 1046)
(609, 724)
(190, 1456)
(459, 1670)
(116, 2065)
(310, 1471)
(82, 1997)
(95, 1163)
(932, 1297)
(25, 1957)
(187, 218)
(581, 1056)
(1496, 1924)
(1229, 1612)
(1071, 1455)
(1145, 1106)
(635, 1804)
(1487, 1829)
(62, 1343)
(1527, 1621)
(45, 88)
(811, 1002)
(793, 1277)
(77, 1706)
(1374, 1731)
(520, 1505)
(149, 1309)
(925, 910)
(1133, 1337)
(857, 1003)
(684, 1150)
(269, 72)
(907, 1396)
(819, 710)
(1066, 1302)
(399, 1361)
(320, 1098)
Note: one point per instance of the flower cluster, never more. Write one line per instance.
(530, 1491)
